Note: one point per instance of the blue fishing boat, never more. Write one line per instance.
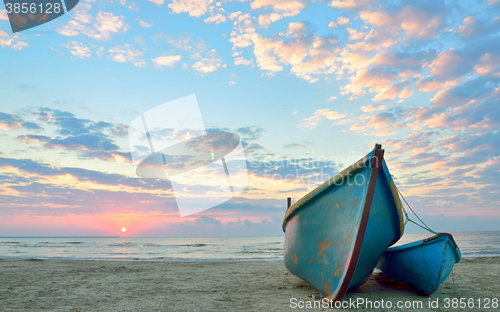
(422, 265)
(336, 234)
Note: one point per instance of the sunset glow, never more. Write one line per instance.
(308, 87)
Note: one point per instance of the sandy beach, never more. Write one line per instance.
(91, 285)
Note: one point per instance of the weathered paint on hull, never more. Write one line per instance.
(384, 228)
(424, 264)
(335, 235)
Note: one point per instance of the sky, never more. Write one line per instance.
(308, 86)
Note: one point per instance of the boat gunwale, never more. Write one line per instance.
(340, 176)
(420, 242)
(399, 207)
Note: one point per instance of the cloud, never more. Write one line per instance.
(422, 20)
(250, 133)
(374, 77)
(381, 120)
(195, 8)
(406, 64)
(126, 53)
(87, 138)
(388, 77)
(132, 5)
(85, 142)
(78, 49)
(350, 4)
(3, 15)
(207, 65)
(204, 225)
(478, 27)
(182, 44)
(448, 65)
(100, 28)
(157, 2)
(472, 90)
(297, 29)
(108, 23)
(320, 114)
(13, 121)
(374, 41)
(342, 21)
(11, 41)
(293, 145)
(356, 34)
(280, 8)
(217, 19)
(489, 64)
(242, 61)
(10, 121)
(253, 147)
(31, 125)
(67, 122)
(144, 24)
(309, 55)
(373, 108)
(167, 60)
(38, 194)
(30, 138)
(288, 6)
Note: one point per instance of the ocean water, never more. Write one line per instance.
(161, 249)
(471, 244)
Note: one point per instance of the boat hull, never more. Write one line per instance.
(335, 235)
(422, 265)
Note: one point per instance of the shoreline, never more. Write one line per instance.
(127, 285)
(143, 260)
(168, 259)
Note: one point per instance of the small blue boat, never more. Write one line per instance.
(336, 234)
(422, 265)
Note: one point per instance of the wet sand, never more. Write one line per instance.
(91, 285)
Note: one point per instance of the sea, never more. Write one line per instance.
(471, 244)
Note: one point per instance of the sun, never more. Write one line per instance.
(124, 229)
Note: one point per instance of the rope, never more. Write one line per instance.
(425, 227)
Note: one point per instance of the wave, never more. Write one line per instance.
(195, 245)
(477, 254)
(153, 245)
(261, 252)
(181, 245)
(121, 244)
(130, 258)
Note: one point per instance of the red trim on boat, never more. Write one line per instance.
(376, 164)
